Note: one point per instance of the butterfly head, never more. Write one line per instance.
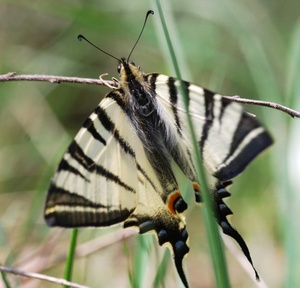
(129, 71)
(131, 76)
(137, 92)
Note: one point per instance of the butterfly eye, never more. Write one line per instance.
(132, 63)
(119, 68)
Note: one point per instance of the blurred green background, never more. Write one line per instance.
(246, 48)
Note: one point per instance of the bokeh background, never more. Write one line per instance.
(234, 47)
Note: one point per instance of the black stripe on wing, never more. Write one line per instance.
(89, 125)
(224, 103)
(246, 124)
(65, 166)
(77, 154)
(67, 209)
(173, 100)
(151, 79)
(209, 116)
(146, 176)
(118, 97)
(245, 148)
(110, 126)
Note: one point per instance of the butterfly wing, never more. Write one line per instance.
(229, 139)
(96, 181)
(105, 178)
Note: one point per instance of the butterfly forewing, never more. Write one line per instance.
(101, 158)
(229, 138)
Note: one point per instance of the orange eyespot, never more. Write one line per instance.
(172, 198)
(196, 186)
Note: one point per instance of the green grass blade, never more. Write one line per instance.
(215, 243)
(5, 281)
(141, 260)
(71, 256)
(162, 270)
(291, 222)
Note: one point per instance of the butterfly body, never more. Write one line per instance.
(121, 166)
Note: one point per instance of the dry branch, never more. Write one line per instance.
(12, 76)
(82, 250)
(291, 112)
(40, 277)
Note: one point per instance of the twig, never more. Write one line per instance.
(105, 241)
(40, 277)
(12, 76)
(273, 105)
(38, 264)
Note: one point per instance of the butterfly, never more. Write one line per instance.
(125, 161)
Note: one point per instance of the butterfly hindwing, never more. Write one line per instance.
(160, 204)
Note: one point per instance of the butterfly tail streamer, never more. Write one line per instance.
(221, 212)
(178, 264)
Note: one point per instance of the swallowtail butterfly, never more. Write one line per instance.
(124, 162)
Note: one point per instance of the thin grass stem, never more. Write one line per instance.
(214, 239)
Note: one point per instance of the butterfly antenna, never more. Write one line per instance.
(81, 37)
(147, 15)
